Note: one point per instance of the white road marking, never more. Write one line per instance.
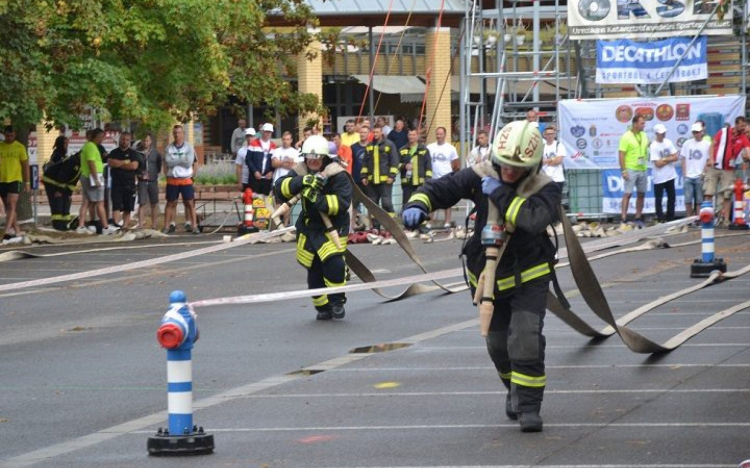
(583, 366)
(638, 391)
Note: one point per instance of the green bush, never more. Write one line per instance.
(216, 173)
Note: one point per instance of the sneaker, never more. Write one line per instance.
(171, 229)
(447, 226)
(92, 229)
(338, 311)
(324, 315)
(530, 421)
(83, 230)
(428, 226)
(111, 229)
(188, 227)
(639, 223)
(512, 415)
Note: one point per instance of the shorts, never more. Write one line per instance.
(148, 192)
(174, 192)
(719, 182)
(8, 188)
(123, 198)
(90, 192)
(637, 180)
(693, 191)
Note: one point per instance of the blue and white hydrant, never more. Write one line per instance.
(178, 333)
(707, 264)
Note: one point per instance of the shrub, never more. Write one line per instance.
(216, 173)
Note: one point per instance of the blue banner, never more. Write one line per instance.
(614, 187)
(626, 61)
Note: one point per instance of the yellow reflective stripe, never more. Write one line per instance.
(428, 174)
(320, 301)
(421, 197)
(505, 376)
(513, 209)
(331, 284)
(472, 278)
(333, 204)
(527, 380)
(329, 248)
(527, 275)
(285, 190)
(394, 171)
(376, 162)
(304, 257)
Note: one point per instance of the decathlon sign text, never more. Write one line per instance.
(646, 19)
(626, 61)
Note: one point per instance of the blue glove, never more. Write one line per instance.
(490, 184)
(413, 217)
(314, 182)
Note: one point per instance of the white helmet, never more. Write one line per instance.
(518, 144)
(315, 147)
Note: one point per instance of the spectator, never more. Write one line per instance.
(444, 161)
(283, 160)
(14, 178)
(258, 161)
(663, 155)
(238, 136)
(384, 125)
(344, 152)
(125, 163)
(380, 169)
(350, 135)
(358, 158)
(148, 182)
(553, 156)
(416, 167)
(481, 152)
(533, 117)
(243, 173)
(731, 146)
(59, 149)
(306, 132)
(694, 156)
(399, 135)
(366, 123)
(92, 181)
(633, 152)
(179, 167)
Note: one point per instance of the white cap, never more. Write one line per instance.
(250, 131)
(697, 127)
(660, 128)
(266, 127)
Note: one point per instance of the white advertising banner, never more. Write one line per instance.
(646, 19)
(591, 129)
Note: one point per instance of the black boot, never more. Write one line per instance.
(509, 411)
(324, 314)
(338, 311)
(530, 421)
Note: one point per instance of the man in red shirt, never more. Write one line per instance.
(730, 146)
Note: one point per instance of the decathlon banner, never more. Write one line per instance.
(590, 129)
(626, 61)
(614, 188)
(647, 19)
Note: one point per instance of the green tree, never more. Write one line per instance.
(152, 61)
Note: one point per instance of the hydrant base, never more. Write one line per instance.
(700, 269)
(178, 446)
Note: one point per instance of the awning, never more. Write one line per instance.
(393, 84)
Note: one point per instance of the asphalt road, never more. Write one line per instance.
(83, 380)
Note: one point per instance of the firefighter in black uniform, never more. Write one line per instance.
(380, 169)
(326, 194)
(416, 164)
(60, 179)
(526, 202)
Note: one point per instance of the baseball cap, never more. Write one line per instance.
(697, 127)
(266, 127)
(250, 131)
(660, 128)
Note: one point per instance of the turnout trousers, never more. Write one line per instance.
(516, 343)
(325, 266)
(59, 205)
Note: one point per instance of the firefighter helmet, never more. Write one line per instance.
(315, 147)
(518, 144)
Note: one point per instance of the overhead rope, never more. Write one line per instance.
(374, 61)
(428, 72)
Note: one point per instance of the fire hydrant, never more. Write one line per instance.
(178, 333)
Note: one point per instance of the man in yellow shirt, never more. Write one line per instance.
(633, 151)
(350, 135)
(14, 178)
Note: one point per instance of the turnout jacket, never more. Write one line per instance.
(381, 162)
(421, 165)
(530, 252)
(333, 200)
(63, 174)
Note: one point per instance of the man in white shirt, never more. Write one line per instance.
(481, 152)
(283, 159)
(552, 157)
(663, 155)
(239, 161)
(694, 155)
(238, 136)
(444, 161)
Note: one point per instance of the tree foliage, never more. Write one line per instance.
(148, 60)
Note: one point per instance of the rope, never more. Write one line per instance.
(432, 63)
(375, 61)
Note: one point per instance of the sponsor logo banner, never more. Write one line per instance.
(646, 19)
(613, 188)
(590, 129)
(626, 61)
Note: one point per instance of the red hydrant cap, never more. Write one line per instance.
(247, 197)
(706, 216)
(170, 336)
